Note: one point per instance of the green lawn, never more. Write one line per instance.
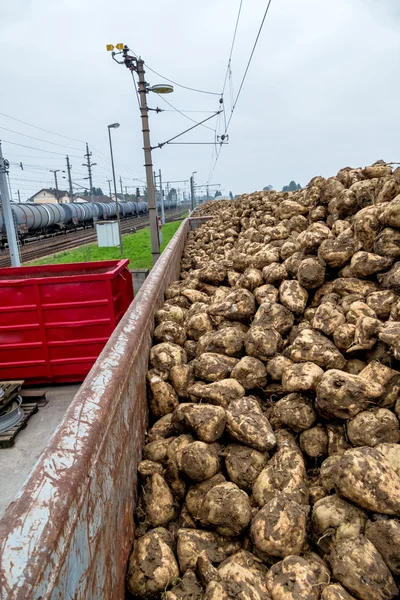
(137, 248)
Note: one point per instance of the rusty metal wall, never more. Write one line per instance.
(68, 534)
(195, 222)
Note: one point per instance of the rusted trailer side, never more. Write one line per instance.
(69, 533)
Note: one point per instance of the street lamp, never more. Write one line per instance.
(136, 65)
(115, 126)
(192, 188)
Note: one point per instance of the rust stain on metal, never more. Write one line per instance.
(69, 532)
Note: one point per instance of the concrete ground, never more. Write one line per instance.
(17, 462)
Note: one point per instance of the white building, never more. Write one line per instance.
(49, 196)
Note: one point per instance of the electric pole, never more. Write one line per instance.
(155, 186)
(126, 193)
(162, 199)
(9, 184)
(89, 166)
(109, 187)
(158, 216)
(71, 191)
(7, 213)
(192, 192)
(55, 171)
(122, 190)
(137, 65)
(19, 197)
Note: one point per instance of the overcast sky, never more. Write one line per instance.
(322, 91)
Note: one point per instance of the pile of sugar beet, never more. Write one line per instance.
(271, 468)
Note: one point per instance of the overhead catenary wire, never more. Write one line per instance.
(242, 82)
(185, 87)
(248, 63)
(232, 45)
(215, 148)
(183, 114)
(228, 73)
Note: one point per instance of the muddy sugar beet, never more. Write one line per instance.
(271, 469)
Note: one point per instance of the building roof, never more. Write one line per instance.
(51, 191)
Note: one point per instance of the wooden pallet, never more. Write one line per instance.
(37, 395)
(7, 437)
(11, 389)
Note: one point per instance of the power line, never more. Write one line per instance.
(249, 62)
(39, 149)
(227, 74)
(186, 131)
(189, 111)
(191, 143)
(100, 156)
(242, 82)
(215, 163)
(98, 152)
(32, 157)
(41, 128)
(137, 93)
(215, 149)
(183, 114)
(233, 44)
(185, 87)
(39, 139)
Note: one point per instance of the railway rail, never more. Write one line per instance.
(71, 240)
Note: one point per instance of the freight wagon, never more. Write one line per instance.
(33, 220)
(69, 532)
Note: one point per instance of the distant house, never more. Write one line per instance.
(49, 196)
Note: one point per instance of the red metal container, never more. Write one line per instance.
(56, 319)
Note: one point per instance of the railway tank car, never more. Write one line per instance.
(33, 219)
(143, 208)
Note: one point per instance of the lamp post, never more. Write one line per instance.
(115, 126)
(135, 64)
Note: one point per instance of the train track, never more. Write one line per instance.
(72, 240)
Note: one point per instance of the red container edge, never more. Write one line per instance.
(56, 319)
